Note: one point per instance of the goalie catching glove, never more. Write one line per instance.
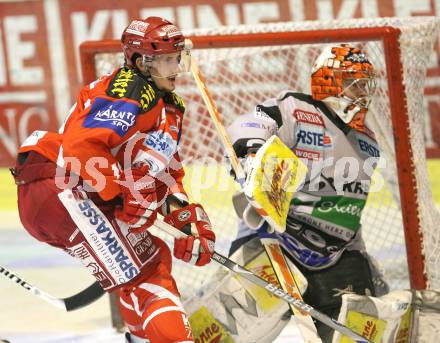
(198, 247)
(140, 203)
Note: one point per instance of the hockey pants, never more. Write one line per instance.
(149, 301)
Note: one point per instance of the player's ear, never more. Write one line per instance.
(139, 62)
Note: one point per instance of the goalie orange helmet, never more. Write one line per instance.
(344, 79)
(149, 37)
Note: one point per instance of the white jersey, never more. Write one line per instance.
(325, 213)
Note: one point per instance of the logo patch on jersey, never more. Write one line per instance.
(81, 251)
(251, 124)
(307, 137)
(327, 141)
(120, 84)
(33, 138)
(170, 108)
(260, 114)
(342, 211)
(107, 244)
(161, 142)
(148, 95)
(184, 215)
(308, 117)
(369, 147)
(118, 116)
(178, 101)
(307, 154)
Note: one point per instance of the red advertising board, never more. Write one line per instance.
(39, 64)
(26, 95)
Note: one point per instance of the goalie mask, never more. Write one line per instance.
(161, 45)
(344, 79)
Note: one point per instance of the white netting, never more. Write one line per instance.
(239, 78)
(416, 50)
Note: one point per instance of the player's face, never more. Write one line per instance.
(165, 68)
(360, 90)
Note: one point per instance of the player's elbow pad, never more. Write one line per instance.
(249, 132)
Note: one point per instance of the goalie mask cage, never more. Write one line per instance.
(245, 65)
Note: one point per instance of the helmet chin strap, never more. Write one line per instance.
(164, 77)
(350, 113)
(148, 64)
(343, 108)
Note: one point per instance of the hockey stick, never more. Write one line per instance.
(248, 275)
(75, 302)
(265, 205)
(217, 120)
(289, 284)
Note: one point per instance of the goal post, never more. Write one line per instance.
(245, 65)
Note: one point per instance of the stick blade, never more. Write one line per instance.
(84, 298)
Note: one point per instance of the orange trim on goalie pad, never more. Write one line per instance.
(289, 282)
(152, 309)
(261, 212)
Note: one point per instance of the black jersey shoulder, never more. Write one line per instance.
(270, 111)
(173, 99)
(130, 84)
(274, 112)
(324, 109)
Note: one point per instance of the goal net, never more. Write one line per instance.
(245, 65)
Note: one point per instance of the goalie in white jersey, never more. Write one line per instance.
(327, 130)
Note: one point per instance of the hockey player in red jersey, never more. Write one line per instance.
(95, 187)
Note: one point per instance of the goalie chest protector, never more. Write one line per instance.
(324, 215)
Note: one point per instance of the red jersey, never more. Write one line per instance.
(118, 120)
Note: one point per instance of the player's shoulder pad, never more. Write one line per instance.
(317, 104)
(127, 83)
(307, 98)
(173, 99)
(269, 110)
(299, 96)
(324, 109)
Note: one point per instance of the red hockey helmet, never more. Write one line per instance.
(149, 37)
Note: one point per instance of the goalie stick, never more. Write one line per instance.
(289, 284)
(72, 303)
(278, 292)
(265, 207)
